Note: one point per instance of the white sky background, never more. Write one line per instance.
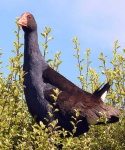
(96, 23)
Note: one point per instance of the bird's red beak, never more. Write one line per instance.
(23, 20)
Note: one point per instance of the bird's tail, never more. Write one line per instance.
(102, 92)
(113, 114)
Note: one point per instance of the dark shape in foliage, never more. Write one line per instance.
(103, 91)
(40, 81)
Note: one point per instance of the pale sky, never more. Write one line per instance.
(96, 23)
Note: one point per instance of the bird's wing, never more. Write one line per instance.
(73, 98)
(59, 81)
(86, 104)
(68, 103)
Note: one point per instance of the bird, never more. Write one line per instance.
(40, 81)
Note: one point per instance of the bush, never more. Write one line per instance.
(19, 130)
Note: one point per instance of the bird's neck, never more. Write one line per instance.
(32, 54)
(31, 46)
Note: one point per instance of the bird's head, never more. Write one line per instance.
(27, 21)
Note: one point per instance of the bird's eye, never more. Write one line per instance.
(29, 17)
